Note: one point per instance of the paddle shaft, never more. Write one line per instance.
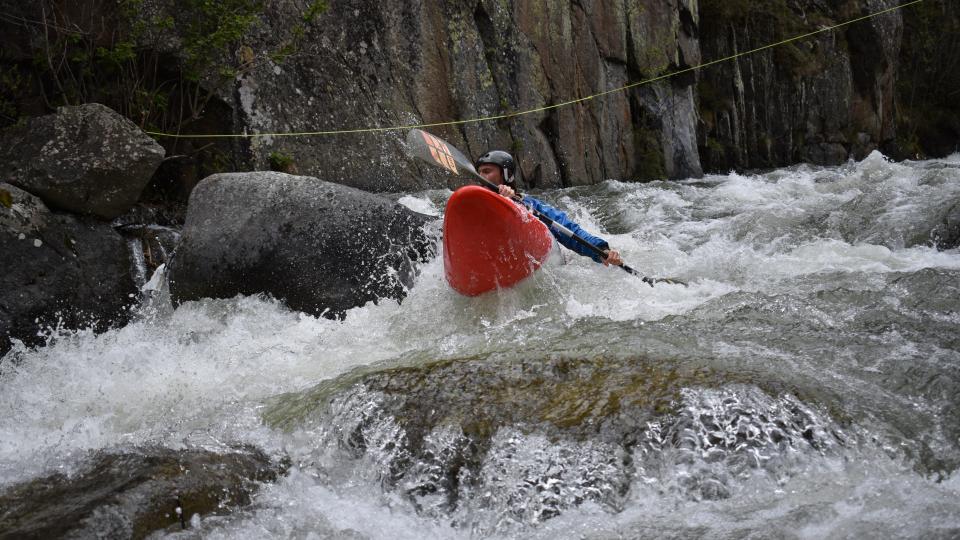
(556, 226)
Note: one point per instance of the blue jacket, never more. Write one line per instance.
(562, 219)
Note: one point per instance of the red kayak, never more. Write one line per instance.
(489, 242)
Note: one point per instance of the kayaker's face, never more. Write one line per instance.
(491, 173)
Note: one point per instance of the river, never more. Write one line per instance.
(806, 384)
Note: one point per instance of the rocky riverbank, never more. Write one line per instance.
(77, 247)
(336, 65)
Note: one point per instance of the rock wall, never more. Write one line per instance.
(818, 101)
(928, 111)
(821, 100)
(372, 64)
(882, 83)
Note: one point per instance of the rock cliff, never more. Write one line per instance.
(882, 83)
(374, 64)
(820, 100)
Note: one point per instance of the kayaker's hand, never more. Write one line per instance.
(507, 191)
(613, 257)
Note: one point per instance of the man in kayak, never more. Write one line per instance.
(499, 168)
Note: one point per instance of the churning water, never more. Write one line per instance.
(806, 383)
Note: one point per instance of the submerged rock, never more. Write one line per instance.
(492, 443)
(58, 270)
(85, 159)
(319, 247)
(130, 494)
(946, 234)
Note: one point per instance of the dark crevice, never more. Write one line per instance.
(550, 127)
(687, 24)
(490, 42)
(865, 61)
(682, 80)
(614, 60)
(488, 35)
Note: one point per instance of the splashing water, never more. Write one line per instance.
(818, 305)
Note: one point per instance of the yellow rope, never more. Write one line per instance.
(538, 109)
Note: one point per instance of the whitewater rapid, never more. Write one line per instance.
(825, 279)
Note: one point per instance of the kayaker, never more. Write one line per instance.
(499, 168)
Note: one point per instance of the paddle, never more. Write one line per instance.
(437, 152)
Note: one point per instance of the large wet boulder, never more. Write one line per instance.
(58, 270)
(490, 440)
(318, 246)
(132, 493)
(85, 159)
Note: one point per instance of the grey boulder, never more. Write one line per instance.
(57, 270)
(131, 493)
(320, 247)
(85, 159)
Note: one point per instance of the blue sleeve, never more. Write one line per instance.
(564, 240)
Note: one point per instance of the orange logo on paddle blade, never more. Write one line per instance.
(440, 152)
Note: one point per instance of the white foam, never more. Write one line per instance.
(422, 205)
(200, 373)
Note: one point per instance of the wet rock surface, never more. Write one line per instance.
(377, 64)
(820, 100)
(132, 493)
(320, 247)
(883, 83)
(85, 159)
(58, 270)
(946, 234)
(492, 442)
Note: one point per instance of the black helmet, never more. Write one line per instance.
(501, 159)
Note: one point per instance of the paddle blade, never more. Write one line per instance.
(437, 152)
(650, 281)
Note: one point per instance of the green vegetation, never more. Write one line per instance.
(11, 87)
(214, 25)
(770, 22)
(281, 162)
(516, 147)
(298, 32)
(131, 68)
(654, 59)
(125, 70)
(160, 64)
(315, 8)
